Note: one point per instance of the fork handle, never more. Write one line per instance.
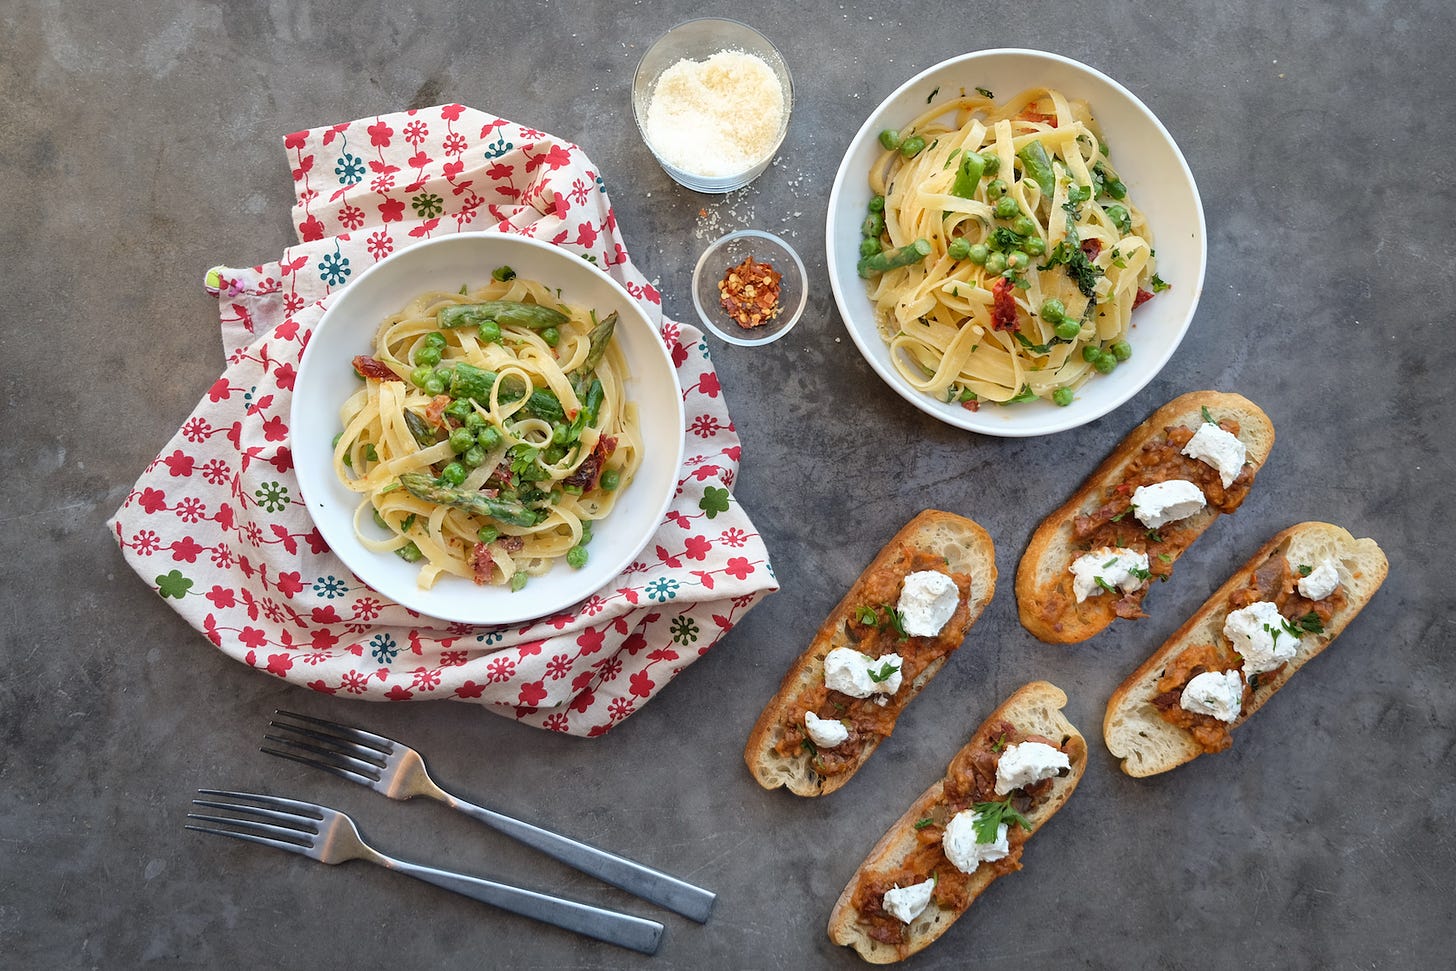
(624, 930)
(660, 888)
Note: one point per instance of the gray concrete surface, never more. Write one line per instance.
(1320, 135)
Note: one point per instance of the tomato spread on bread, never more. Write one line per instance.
(1279, 588)
(887, 657)
(1119, 529)
(975, 786)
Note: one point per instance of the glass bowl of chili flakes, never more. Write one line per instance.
(749, 288)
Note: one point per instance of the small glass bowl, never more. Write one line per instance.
(731, 250)
(698, 40)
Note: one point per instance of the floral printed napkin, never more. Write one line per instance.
(216, 524)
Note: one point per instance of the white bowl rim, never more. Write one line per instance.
(793, 317)
(354, 557)
(1069, 417)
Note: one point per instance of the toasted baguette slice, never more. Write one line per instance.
(1133, 729)
(966, 548)
(1034, 709)
(1044, 597)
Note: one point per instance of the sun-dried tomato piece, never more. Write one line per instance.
(373, 368)
(1003, 307)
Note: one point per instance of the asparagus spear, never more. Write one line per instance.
(420, 429)
(423, 486)
(894, 258)
(599, 338)
(516, 312)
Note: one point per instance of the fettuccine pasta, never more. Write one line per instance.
(491, 430)
(1003, 254)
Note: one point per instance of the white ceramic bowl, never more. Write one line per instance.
(326, 379)
(1148, 161)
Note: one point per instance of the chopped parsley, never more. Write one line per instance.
(813, 749)
(983, 92)
(932, 95)
(1165, 558)
(1154, 536)
(1159, 285)
(1027, 343)
(1025, 394)
(1082, 270)
(897, 621)
(1140, 573)
(1105, 585)
(1118, 518)
(990, 816)
(1000, 743)
(884, 673)
(1310, 623)
(867, 616)
(927, 821)
(1305, 569)
(1207, 415)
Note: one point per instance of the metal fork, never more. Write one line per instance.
(398, 771)
(330, 836)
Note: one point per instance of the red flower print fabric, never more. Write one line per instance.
(216, 526)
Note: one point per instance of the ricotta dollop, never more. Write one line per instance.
(1216, 693)
(928, 598)
(908, 903)
(1261, 636)
(1166, 502)
(961, 848)
(1121, 569)
(1218, 449)
(825, 732)
(1021, 765)
(848, 671)
(1321, 582)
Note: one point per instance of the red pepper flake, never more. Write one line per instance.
(481, 563)
(1003, 308)
(1143, 296)
(749, 293)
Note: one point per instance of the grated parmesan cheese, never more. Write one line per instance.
(717, 117)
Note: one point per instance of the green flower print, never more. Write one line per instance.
(272, 496)
(173, 584)
(714, 501)
(684, 630)
(427, 205)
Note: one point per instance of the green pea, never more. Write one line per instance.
(1068, 329)
(551, 335)
(1120, 217)
(473, 457)
(454, 473)
(890, 138)
(555, 454)
(1121, 350)
(586, 532)
(1006, 207)
(560, 433)
(1023, 226)
(576, 556)
(869, 246)
(958, 248)
(459, 409)
(990, 162)
(873, 225)
(434, 384)
(1105, 363)
(461, 439)
(474, 420)
(410, 553)
(912, 146)
(420, 375)
(427, 355)
(490, 331)
(435, 339)
(489, 436)
(877, 204)
(1017, 260)
(995, 189)
(1062, 397)
(1116, 189)
(1091, 353)
(995, 263)
(1034, 245)
(1053, 310)
(610, 479)
(518, 580)
(487, 534)
(979, 253)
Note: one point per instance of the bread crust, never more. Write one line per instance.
(969, 549)
(1035, 708)
(1053, 616)
(1132, 727)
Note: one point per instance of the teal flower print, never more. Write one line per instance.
(330, 587)
(272, 496)
(383, 648)
(427, 205)
(349, 169)
(334, 268)
(499, 147)
(662, 589)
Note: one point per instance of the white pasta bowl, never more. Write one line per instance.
(1148, 162)
(326, 378)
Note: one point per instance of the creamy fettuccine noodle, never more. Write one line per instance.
(1003, 256)
(490, 431)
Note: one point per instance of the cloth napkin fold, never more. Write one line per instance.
(216, 524)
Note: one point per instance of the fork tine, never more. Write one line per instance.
(342, 773)
(332, 756)
(311, 810)
(304, 824)
(341, 746)
(253, 826)
(377, 742)
(251, 838)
